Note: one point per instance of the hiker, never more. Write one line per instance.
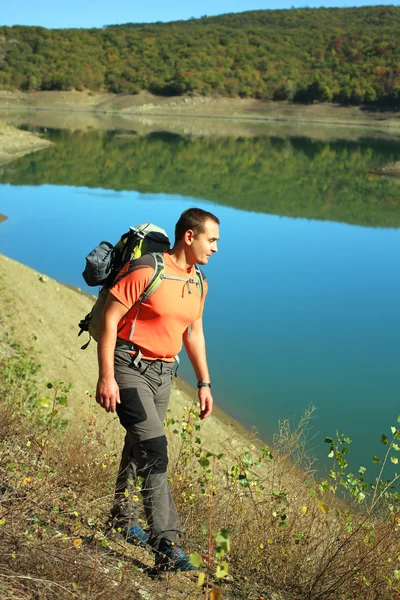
(136, 352)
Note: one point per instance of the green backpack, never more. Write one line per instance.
(105, 261)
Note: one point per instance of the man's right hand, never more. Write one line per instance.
(107, 394)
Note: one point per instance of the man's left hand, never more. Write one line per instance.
(206, 402)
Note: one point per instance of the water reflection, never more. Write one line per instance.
(289, 176)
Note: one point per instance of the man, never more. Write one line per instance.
(136, 351)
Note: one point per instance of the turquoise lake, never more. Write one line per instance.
(303, 307)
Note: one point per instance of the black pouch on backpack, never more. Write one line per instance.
(99, 264)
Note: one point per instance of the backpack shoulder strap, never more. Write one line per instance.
(156, 279)
(200, 278)
(151, 287)
(200, 282)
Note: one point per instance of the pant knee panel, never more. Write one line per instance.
(153, 455)
(131, 410)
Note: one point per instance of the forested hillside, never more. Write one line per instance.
(349, 55)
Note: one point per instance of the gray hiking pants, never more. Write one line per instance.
(144, 395)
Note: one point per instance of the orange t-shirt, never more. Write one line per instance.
(162, 320)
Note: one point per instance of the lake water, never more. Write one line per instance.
(304, 294)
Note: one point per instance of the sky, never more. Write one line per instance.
(97, 13)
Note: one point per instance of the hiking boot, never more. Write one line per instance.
(170, 557)
(135, 535)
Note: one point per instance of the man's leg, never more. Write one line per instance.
(144, 396)
(159, 505)
(125, 511)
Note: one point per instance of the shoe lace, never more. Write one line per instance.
(180, 553)
(138, 533)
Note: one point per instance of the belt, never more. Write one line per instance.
(124, 345)
(131, 347)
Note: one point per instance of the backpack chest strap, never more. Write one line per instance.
(186, 280)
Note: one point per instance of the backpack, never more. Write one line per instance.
(104, 263)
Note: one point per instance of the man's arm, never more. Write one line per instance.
(107, 392)
(196, 349)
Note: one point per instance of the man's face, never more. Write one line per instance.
(205, 243)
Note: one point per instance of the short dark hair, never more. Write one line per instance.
(194, 219)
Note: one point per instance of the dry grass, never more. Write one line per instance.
(290, 532)
(261, 514)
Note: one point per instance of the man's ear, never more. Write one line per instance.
(189, 237)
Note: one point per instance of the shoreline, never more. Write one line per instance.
(188, 107)
(232, 117)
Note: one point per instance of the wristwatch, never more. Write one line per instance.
(201, 384)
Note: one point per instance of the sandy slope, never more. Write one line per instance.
(15, 143)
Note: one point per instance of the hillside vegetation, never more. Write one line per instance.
(347, 55)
